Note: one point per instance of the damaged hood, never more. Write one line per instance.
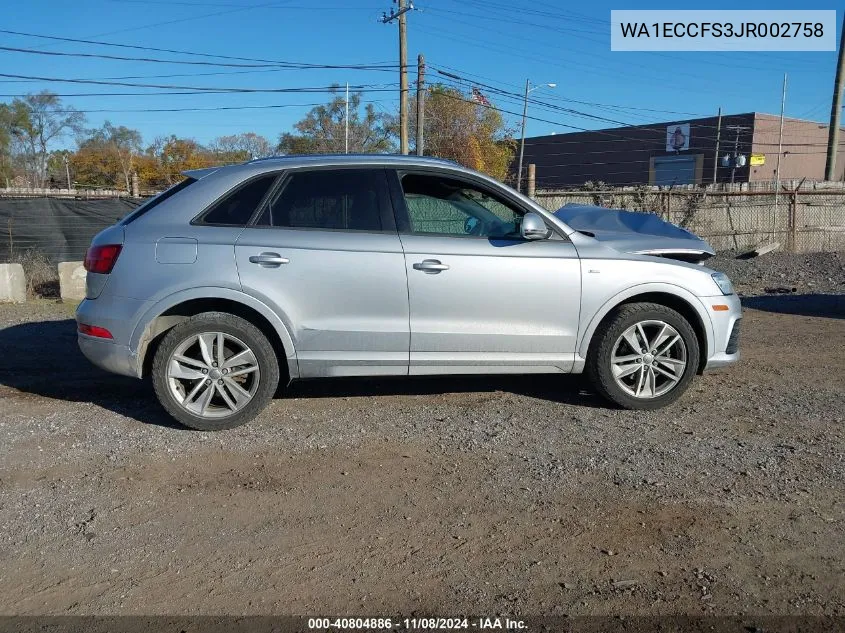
(635, 232)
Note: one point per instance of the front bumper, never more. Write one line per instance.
(725, 330)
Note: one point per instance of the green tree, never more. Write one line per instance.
(323, 130)
(42, 121)
(12, 118)
(458, 128)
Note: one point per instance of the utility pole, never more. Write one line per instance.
(403, 68)
(736, 152)
(735, 160)
(420, 103)
(528, 91)
(835, 110)
(346, 120)
(718, 139)
(780, 148)
(67, 171)
(522, 140)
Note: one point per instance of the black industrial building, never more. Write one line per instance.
(683, 152)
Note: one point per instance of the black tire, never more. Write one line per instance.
(265, 355)
(599, 366)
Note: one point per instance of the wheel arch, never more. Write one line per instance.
(175, 309)
(672, 297)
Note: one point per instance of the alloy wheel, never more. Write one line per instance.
(649, 359)
(213, 374)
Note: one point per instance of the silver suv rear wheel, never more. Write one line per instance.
(215, 371)
(213, 374)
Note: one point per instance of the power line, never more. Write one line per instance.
(331, 90)
(221, 4)
(215, 73)
(210, 109)
(274, 62)
(556, 97)
(285, 65)
(187, 19)
(198, 89)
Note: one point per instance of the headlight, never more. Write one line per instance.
(723, 282)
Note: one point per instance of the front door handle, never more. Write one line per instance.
(431, 266)
(268, 260)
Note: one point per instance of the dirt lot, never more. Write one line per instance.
(483, 495)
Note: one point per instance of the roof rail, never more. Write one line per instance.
(398, 157)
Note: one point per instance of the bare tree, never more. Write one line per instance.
(124, 144)
(108, 155)
(240, 147)
(45, 121)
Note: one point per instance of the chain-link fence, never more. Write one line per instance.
(799, 221)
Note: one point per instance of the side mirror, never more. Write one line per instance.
(533, 227)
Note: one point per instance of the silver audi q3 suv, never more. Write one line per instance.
(285, 268)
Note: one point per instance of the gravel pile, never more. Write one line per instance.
(783, 273)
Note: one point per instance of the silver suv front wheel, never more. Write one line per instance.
(643, 356)
(649, 359)
(215, 371)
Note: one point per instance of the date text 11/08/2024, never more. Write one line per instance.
(411, 624)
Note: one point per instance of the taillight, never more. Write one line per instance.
(101, 259)
(94, 330)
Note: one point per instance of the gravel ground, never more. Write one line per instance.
(513, 495)
(802, 273)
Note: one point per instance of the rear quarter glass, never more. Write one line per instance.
(152, 203)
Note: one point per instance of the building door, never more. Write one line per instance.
(675, 170)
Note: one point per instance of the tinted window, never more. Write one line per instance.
(454, 207)
(346, 199)
(236, 208)
(157, 200)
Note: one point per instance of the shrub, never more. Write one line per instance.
(42, 276)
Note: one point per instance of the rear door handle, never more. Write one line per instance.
(431, 266)
(268, 260)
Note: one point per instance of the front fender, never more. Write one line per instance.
(592, 322)
(142, 334)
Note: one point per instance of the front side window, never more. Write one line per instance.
(448, 206)
(236, 208)
(341, 199)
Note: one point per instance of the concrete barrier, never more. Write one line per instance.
(71, 281)
(12, 283)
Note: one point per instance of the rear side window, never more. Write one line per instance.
(236, 208)
(150, 204)
(343, 199)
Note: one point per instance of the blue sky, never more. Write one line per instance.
(496, 42)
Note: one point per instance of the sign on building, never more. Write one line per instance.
(757, 160)
(677, 137)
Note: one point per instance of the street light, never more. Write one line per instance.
(528, 91)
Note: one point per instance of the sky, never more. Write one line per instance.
(487, 43)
